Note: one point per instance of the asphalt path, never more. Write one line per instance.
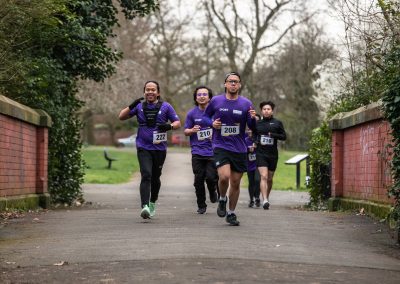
(106, 240)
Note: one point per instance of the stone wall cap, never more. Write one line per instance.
(360, 115)
(22, 112)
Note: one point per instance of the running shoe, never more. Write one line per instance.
(232, 219)
(258, 202)
(152, 208)
(251, 204)
(266, 205)
(221, 209)
(202, 210)
(145, 213)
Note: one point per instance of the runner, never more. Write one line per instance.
(253, 176)
(229, 113)
(151, 141)
(203, 166)
(268, 131)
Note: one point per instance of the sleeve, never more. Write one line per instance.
(208, 114)
(280, 134)
(189, 121)
(172, 116)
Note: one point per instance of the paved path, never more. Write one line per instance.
(108, 242)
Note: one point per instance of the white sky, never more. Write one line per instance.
(332, 26)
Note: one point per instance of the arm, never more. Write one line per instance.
(124, 114)
(280, 134)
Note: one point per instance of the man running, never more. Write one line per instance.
(200, 134)
(268, 131)
(229, 113)
(151, 141)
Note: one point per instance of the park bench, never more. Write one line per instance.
(296, 160)
(108, 158)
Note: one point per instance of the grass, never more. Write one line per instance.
(285, 175)
(121, 170)
(127, 164)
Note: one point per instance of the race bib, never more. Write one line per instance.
(266, 140)
(204, 134)
(252, 157)
(228, 130)
(159, 137)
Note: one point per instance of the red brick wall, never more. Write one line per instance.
(360, 161)
(23, 157)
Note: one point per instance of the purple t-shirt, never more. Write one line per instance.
(251, 156)
(234, 115)
(200, 141)
(147, 137)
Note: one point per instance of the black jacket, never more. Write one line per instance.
(269, 128)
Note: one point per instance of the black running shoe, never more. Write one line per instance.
(251, 204)
(266, 205)
(221, 209)
(232, 220)
(202, 210)
(258, 203)
(213, 197)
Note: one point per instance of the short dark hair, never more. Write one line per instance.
(232, 73)
(271, 104)
(210, 93)
(152, 81)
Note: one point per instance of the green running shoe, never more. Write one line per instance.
(152, 207)
(145, 213)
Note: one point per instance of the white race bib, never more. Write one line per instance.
(204, 134)
(159, 137)
(252, 156)
(266, 140)
(228, 130)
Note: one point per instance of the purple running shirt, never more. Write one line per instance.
(234, 115)
(200, 142)
(251, 156)
(149, 138)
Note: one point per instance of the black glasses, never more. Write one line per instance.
(233, 82)
(202, 94)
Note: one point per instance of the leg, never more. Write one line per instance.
(199, 171)
(269, 182)
(145, 163)
(234, 189)
(257, 187)
(212, 180)
(224, 173)
(251, 181)
(158, 162)
(263, 182)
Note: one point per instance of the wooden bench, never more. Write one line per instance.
(296, 160)
(108, 158)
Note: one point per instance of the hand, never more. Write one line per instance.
(252, 112)
(196, 128)
(135, 103)
(164, 127)
(217, 123)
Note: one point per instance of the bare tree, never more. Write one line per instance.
(242, 40)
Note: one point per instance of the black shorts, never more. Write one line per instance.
(238, 161)
(267, 161)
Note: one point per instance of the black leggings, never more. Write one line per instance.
(204, 170)
(151, 163)
(254, 184)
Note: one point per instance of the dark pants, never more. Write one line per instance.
(254, 184)
(151, 163)
(204, 170)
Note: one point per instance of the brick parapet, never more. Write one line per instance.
(360, 155)
(23, 150)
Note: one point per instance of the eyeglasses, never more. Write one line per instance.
(202, 94)
(233, 82)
